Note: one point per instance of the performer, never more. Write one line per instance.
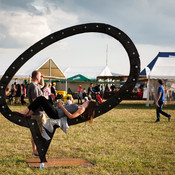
(87, 109)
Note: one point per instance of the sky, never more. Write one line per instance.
(149, 24)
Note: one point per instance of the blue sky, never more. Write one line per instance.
(150, 24)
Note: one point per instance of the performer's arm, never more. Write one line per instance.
(68, 114)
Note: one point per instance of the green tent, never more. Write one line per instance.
(78, 77)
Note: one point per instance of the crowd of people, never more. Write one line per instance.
(94, 92)
(16, 94)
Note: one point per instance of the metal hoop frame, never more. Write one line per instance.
(57, 36)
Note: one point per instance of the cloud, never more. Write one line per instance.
(146, 21)
(150, 24)
(20, 28)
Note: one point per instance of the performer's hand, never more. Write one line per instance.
(59, 104)
(157, 104)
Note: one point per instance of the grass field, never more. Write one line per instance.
(123, 141)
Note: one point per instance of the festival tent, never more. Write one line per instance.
(46, 66)
(89, 72)
(163, 68)
(78, 77)
(85, 73)
(149, 67)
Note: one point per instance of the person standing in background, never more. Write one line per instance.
(80, 95)
(90, 91)
(23, 94)
(34, 91)
(53, 90)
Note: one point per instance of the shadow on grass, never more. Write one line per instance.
(142, 106)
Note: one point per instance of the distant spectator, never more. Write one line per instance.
(47, 90)
(69, 91)
(107, 88)
(112, 87)
(23, 94)
(97, 92)
(12, 94)
(84, 93)
(18, 93)
(53, 90)
(97, 89)
(69, 100)
(90, 91)
(101, 91)
(80, 95)
(86, 98)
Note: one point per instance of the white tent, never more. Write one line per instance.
(164, 68)
(89, 72)
(49, 68)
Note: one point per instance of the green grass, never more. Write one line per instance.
(123, 141)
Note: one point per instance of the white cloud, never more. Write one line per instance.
(25, 28)
(150, 24)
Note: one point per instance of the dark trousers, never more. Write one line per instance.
(46, 105)
(22, 100)
(80, 100)
(159, 111)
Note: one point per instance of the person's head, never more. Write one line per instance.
(68, 98)
(91, 84)
(89, 112)
(49, 85)
(160, 82)
(36, 76)
(53, 84)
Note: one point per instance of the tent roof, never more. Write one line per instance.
(41, 64)
(78, 77)
(164, 68)
(152, 63)
(89, 72)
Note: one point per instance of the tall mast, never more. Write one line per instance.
(107, 55)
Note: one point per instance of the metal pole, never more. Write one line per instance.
(49, 69)
(149, 87)
(66, 86)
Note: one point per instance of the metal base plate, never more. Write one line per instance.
(54, 162)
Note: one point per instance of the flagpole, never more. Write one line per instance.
(106, 54)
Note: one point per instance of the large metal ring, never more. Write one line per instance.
(78, 29)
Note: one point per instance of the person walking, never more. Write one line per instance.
(159, 102)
